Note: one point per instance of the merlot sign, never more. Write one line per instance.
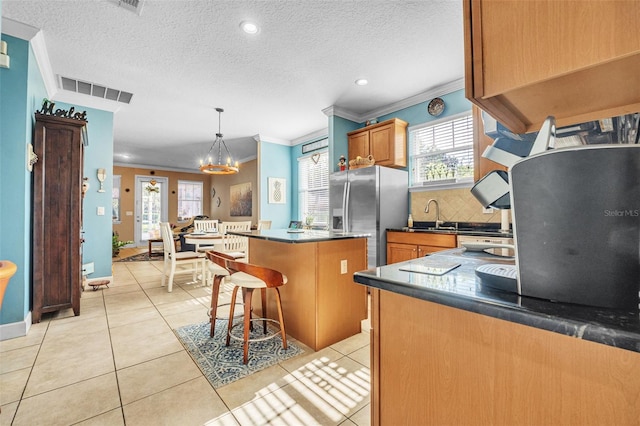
(48, 109)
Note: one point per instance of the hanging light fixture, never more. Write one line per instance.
(220, 167)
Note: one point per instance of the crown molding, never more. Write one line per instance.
(18, 29)
(173, 169)
(265, 138)
(427, 95)
(340, 112)
(35, 37)
(318, 134)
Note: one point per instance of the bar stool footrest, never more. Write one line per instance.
(256, 339)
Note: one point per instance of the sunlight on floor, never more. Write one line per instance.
(332, 390)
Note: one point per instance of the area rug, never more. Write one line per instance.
(140, 258)
(222, 365)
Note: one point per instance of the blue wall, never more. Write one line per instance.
(274, 162)
(22, 91)
(454, 102)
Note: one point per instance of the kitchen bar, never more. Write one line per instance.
(447, 349)
(321, 303)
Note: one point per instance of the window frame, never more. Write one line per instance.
(303, 190)
(464, 182)
(181, 219)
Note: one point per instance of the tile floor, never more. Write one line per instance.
(119, 363)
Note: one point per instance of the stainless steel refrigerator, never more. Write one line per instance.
(370, 199)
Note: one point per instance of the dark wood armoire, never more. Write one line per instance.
(57, 214)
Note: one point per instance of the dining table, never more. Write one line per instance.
(205, 239)
(213, 240)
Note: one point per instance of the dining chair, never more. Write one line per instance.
(264, 224)
(173, 258)
(208, 226)
(235, 246)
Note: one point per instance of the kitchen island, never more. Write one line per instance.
(447, 349)
(321, 303)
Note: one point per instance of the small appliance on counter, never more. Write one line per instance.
(576, 219)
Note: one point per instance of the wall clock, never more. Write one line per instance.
(435, 107)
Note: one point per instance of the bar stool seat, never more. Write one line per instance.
(249, 277)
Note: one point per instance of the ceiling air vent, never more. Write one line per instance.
(134, 6)
(96, 90)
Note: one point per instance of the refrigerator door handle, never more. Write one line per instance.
(345, 206)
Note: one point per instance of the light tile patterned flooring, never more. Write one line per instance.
(119, 363)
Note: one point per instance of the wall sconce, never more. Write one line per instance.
(4, 58)
(102, 175)
(32, 158)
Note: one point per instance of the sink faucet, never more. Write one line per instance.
(426, 210)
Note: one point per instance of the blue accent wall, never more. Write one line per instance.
(22, 93)
(275, 160)
(454, 102)
(22, 88)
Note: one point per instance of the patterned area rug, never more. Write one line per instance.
(140, 258)
(223, 365)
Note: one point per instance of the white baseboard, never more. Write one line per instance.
(15, 329)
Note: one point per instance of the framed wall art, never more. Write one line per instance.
(277, 190)
(241, 199)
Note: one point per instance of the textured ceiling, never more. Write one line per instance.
(181, 59)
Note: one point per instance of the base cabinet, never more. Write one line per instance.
(403, 246)
(321, 304)
(57, 215)
(436, 365)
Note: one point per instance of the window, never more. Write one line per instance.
(442, 152)
(189, 199)
(313, 189)
(115, 199)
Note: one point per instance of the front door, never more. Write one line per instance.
(151, 207)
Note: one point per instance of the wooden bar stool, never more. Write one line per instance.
(250, 277)
(218, 270)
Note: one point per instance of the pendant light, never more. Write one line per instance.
(219, 167)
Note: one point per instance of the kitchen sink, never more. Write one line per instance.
(458, 227)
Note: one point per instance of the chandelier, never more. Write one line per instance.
(219, 167)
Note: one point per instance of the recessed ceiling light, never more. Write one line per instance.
(362, 82)
(249, 27)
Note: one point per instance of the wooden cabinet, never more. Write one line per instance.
(526, 60)
(481, 165)
(433, 364)
(57, 215)
(386, 142)
(403, 246)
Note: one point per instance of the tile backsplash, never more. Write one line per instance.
(456, 205)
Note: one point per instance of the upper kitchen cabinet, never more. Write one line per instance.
(526, 60)
(386, 142)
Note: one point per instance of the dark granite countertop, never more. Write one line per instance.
(462, 289)
(458, 228)
(308, 236)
